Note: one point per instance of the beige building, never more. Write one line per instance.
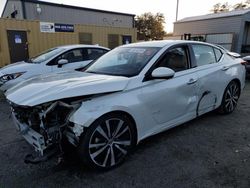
(28, 27)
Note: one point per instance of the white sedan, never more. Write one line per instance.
(130, 93)
(56, 59)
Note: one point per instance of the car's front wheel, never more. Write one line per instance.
(107, 142)
(230, 98)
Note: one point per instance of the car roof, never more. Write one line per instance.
(72, 46)
(163, 43)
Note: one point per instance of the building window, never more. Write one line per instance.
(113, 41)
(85, 38)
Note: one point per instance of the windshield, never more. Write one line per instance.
(44, 56)
(123, 61)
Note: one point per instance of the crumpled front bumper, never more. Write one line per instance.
(31, 136)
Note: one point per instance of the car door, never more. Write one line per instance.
(211, 76)
(77, 58)
(172, 101)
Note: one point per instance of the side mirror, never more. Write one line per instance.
(62, 62)
(162, 73)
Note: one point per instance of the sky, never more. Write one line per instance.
(167, 7)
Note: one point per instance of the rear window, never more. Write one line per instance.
(204, 54)
(218, 54)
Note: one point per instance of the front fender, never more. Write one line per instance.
(123, 101)
(91, 110)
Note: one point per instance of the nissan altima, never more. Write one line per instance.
(56, 59)
(130, 93)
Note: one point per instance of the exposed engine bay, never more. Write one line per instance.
(44, 127)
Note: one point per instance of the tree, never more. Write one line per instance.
(150, 26)
(240, 6)
(226, 7)
(221, 7)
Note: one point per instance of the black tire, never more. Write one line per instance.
(107, 142)
(230, 98)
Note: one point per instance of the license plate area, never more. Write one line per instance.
(31, 136)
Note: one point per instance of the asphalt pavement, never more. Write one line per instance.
(210, 151)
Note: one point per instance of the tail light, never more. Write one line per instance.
(243, 63)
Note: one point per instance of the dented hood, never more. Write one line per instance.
(62, 85)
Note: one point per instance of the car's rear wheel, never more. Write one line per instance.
(230, 98)
(107, 142)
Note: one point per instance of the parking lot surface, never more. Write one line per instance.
(211, 151)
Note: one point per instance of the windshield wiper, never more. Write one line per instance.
(110, 74)
(94, 72)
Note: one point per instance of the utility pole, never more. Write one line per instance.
(177, 9)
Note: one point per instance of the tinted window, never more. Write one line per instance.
(218, 54)
(94, 53)
(79, 55)
(73, 56)
(204, 54)
(175, 59)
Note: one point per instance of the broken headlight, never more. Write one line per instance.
(12, 76)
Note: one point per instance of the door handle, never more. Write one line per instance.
(191, 81)
(225, 68)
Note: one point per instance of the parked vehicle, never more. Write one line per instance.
(127, 95)
(247, 59)
(53, 60)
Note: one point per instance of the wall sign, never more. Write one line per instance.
(47, 27)
(64, 27)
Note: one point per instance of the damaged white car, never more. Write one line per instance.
(130, 93)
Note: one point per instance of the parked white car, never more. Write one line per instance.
(56, 59)
(127, 95)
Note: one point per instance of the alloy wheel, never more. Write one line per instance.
(110, 142)
(231, 97)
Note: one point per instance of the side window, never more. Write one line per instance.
(176, 59)
(73, 56)
(218, 54)
(204, 54)
(95, 53)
